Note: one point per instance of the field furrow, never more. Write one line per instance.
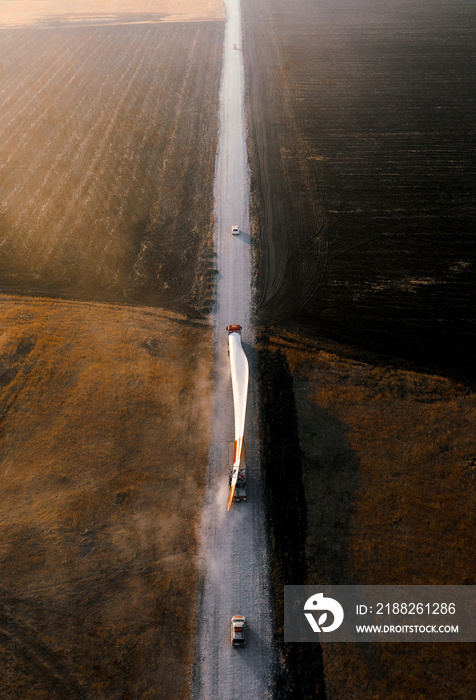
(19, 75)
(32, 160)
(99, 135)
(108, 173)
(31, 99)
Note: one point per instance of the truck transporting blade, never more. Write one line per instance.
(239, 382)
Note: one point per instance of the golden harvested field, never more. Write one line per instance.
(380, 466)
(109, 133)
(107, 162)
(104, 439)
(23, 12)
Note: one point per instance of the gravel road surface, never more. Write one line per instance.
(234, 546)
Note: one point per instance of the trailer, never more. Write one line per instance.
(239, 495)
(239, 382)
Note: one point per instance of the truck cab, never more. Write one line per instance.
(234, 328)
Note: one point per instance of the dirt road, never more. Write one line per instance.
(235, 575)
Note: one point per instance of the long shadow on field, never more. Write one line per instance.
(311, 479)
(331, 478)
(301, 674)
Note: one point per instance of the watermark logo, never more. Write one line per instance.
(318, 602)
(320, 613)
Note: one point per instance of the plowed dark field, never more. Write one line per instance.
(107, 162)
(361, 118)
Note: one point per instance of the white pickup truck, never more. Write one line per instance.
(237, 631)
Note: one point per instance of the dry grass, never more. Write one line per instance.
(23, 12)
(388, 470)
(104, 440)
